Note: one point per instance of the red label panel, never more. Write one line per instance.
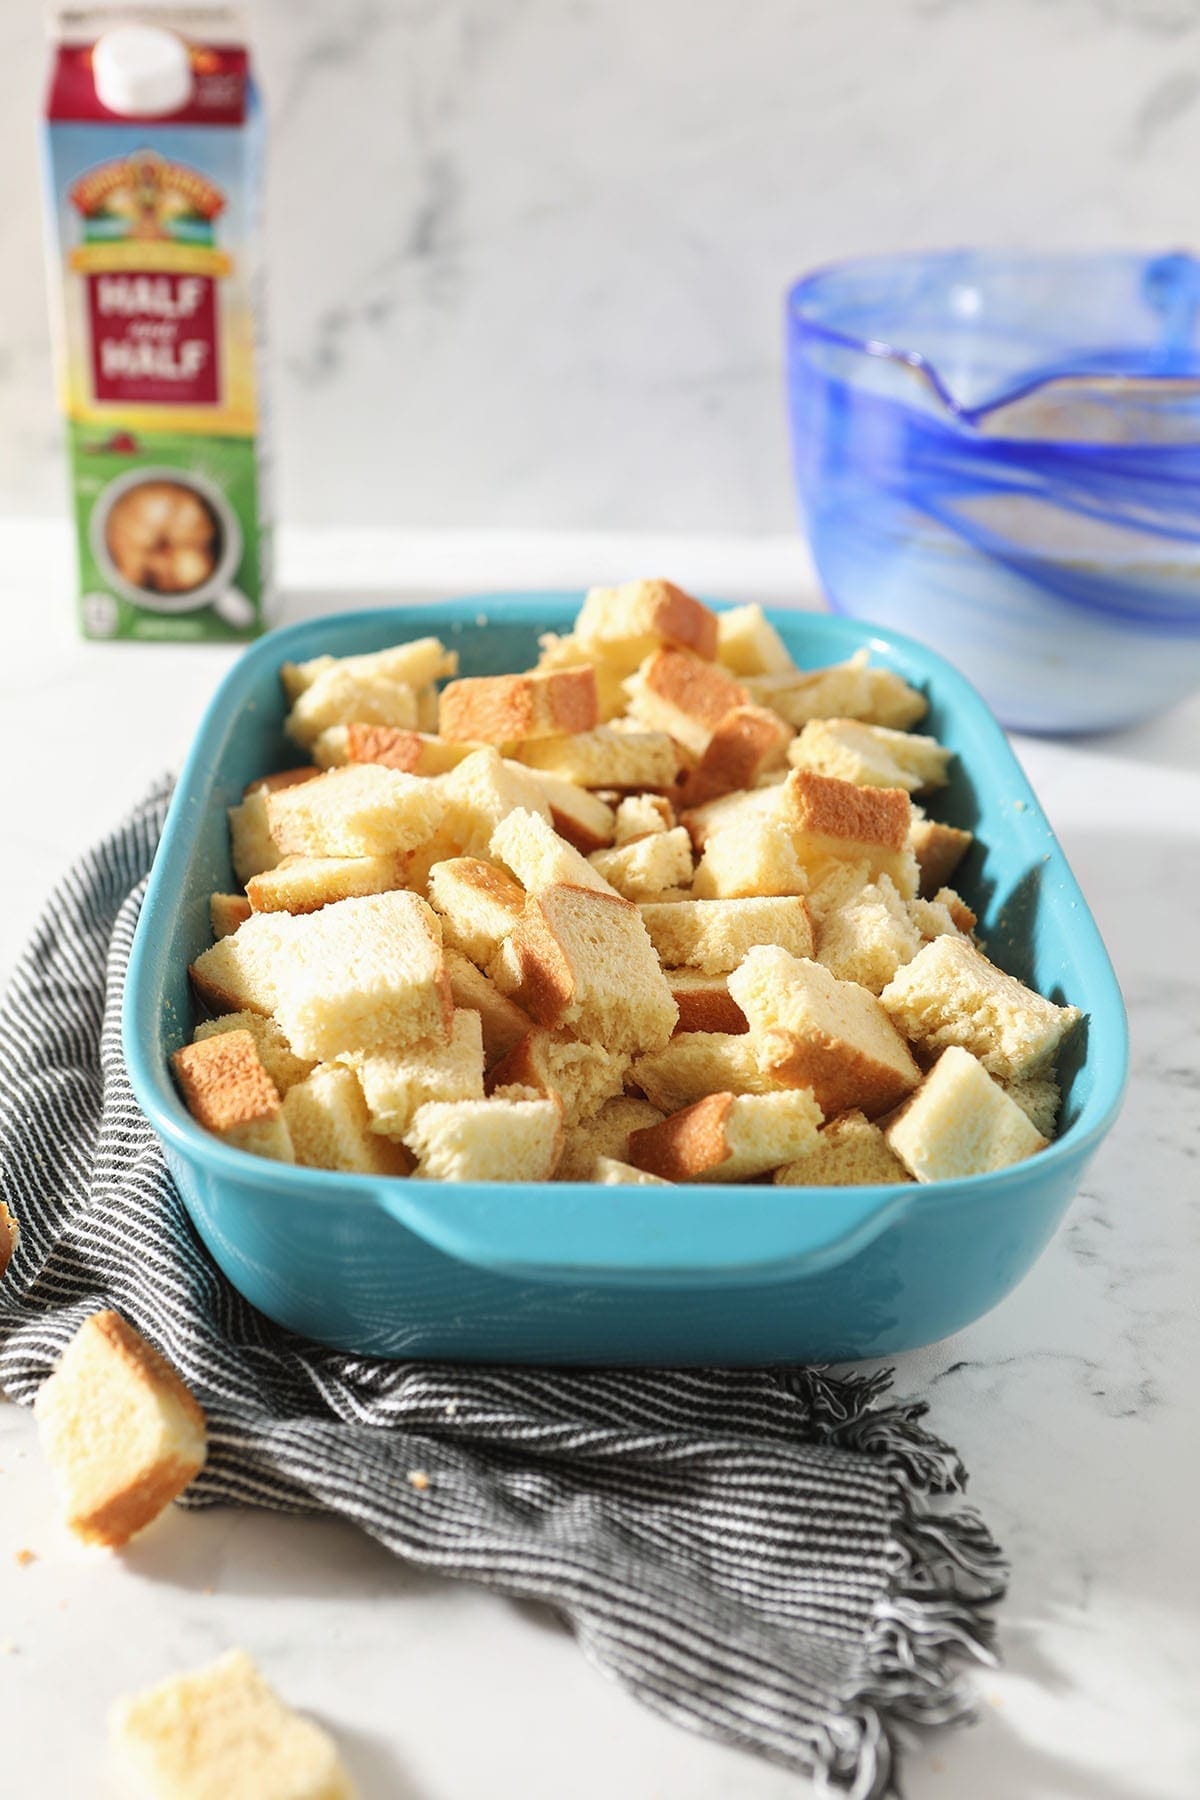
(154, 338)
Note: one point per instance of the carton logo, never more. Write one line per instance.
(147, 198)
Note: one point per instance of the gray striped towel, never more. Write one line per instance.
(775, 1557)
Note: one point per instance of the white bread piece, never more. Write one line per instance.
(300, 884)
(583, 961)
(748, 643)
(412, 752)
(871, 755)
(1039, 1098)
(683, 695)
(567, 652)
(728, 1137)
(960, 1122)
(578, 815)
(626, 624)
(605, 1135)
(396, 1082)
(120, 1430)
(226, 1089)
(583, 1076)
(835, 821)
(946, 915)
(337, 696)
(331, 1127)
(418, 663)
(359, 810)
(950, 994)
(748, 743)
(226, 912)
(647, 865)
(703, 822)
(833, 1036)
(849, 690)
(870, 937)
(274, 1052)
(509, 709)
(428, 703)
(696, 1063)
(251, 846)
(851, 1151)
(752, 856)
(240, 973)
(365, 974)
(705, 1003)
(280, 779)
(608, 1172)
(477, 903)
(606, 758)
(221, 1733)
(640, 815)
(938, 849)
(714, 935)
(539, 858)
(479, 793)
(10, 1233)
(515, 1135)
(503, 1022)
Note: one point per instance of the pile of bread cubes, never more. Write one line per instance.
(663, 908)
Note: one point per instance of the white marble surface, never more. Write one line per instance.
(527, 257)
(1074, 1404)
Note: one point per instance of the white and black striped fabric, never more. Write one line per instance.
(761, 1555)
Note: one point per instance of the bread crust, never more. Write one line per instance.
(10, 1233)
(827, 807)
(841, 1076)
(748, 742)
(223, 1082)
(283, 778)
(707, 1006)
(685, 1144)
(508, 709)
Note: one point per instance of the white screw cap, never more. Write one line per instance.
(142, 71)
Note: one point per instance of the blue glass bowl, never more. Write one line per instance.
(1000, 454)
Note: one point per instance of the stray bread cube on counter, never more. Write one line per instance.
(950, 994)
(870, 755)
(10, 1233)
(362, 809)
(728, 1137)
(221, 1731)
(850, 1151)
(119, 1428)
(510, 709)
(227, 1090)
(515, 1135)
(960, 1122)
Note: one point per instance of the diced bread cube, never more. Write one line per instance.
(226, 912)
(582, 960)
(412, 752)
(950, 994)
(748, 644)
(300, 884)
(359, 810)
(608, 1172)
(539, 858)
(503, 1022)
(835, 1036)
(337, 696)
(627, 623)
(946, 915)
(10, 1233)
(567, 652)
(251, 846)
(607, 1134)
(508, 709)
(330, 1124)
(851, 1151)
(481, 792)
(870, 937)
(849, 690)
(960, 1122)
(696, 1063)
(515, 1135)
(641, 815)
(280, 779)
(835, 821)
(752, 856)
(417, 663)
(576, 813)
(226, 1089)
(274, 1052)
(240, 973)
(746, 744)
(938, 849)
(396, 1082)
(704, 1002)
(606, 758)
(714, 935)
(728, 1137)
(221, 1731)
(647, 865)
(870, 755)
(583, 1076)
(1039, 1098)
(478, 904)
(684, 696)
(119, 1428)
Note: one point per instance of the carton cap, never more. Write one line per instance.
(142, 71)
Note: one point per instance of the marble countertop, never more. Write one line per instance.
(1073, 1404)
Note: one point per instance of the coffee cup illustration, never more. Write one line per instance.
(169, 541)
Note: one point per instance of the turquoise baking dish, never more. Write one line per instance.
(569, 1273)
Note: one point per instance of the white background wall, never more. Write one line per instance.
(528, 256)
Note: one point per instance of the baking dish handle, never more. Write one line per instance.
(623, 1236)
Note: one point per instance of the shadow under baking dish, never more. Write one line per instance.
(574, 1273)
